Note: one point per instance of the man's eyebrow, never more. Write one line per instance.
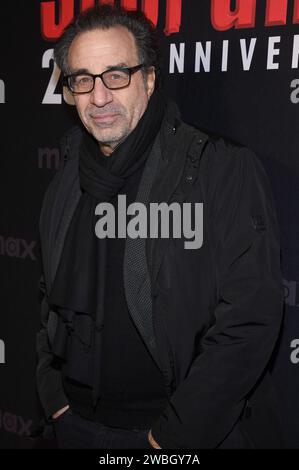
(120, 64)
(82, 70)
(79, 71)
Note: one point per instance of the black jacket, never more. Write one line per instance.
(210, 317)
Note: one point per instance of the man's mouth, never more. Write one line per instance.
(104, 117)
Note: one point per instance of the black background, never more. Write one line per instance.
(251, 107)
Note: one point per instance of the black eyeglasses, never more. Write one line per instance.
(114, 79)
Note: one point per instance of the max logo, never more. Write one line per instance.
(14, 424)
(223, 17)
(17, 248)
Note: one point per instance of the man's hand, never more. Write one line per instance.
(152, 441)
(60, 412)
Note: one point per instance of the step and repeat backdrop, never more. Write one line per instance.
(232, 67)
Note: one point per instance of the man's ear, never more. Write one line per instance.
(151, 79)
(68, 97)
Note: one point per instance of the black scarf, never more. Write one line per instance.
(79, 286)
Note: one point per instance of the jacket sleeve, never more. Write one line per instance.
(48, 375)
(237, 347)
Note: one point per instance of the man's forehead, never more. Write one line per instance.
(108, 47)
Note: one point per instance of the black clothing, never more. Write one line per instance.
(74, 432)
(86, 287)
(209, 317)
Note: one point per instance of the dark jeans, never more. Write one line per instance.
(74, 432)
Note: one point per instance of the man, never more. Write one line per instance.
(145, 343)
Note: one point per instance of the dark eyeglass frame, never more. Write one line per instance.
(128, 70)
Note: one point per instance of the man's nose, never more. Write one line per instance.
(100, 95)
